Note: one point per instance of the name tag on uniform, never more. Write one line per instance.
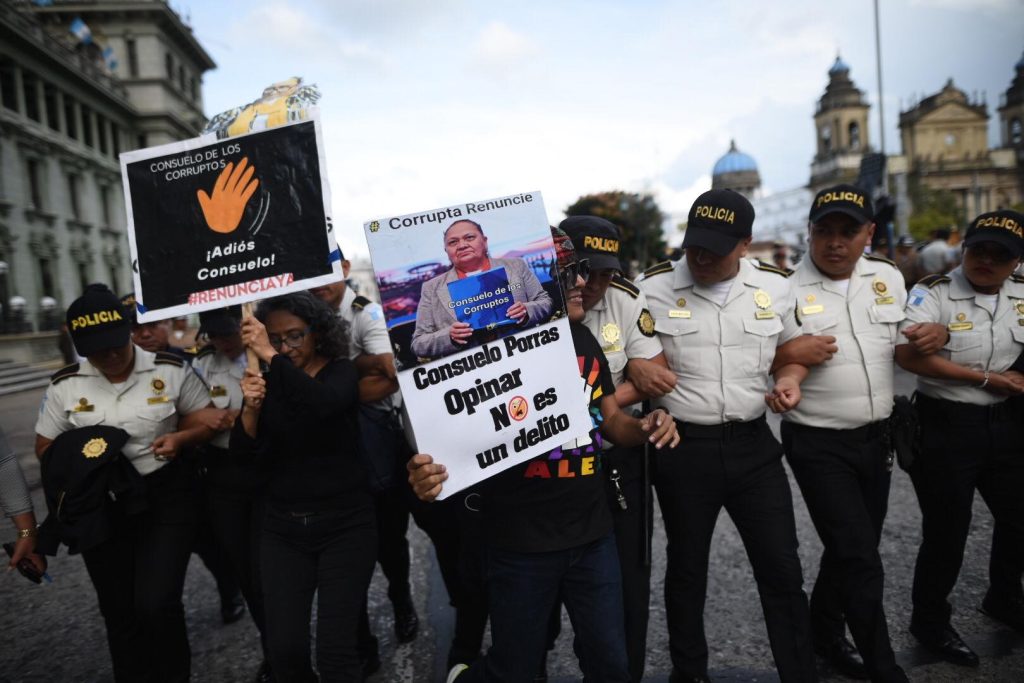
(611, 348)
(154, 400)
(678, 314)
(764, 315)
(811, 310)
(883, 300)
(960, 327)
(217, 390)
(84, 408)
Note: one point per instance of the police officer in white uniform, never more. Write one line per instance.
(719, 319)
(837, 439)
(139, 573)
(970, 434)
(617, 316)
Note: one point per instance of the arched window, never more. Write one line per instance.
(854, 130)
(826, 138)
(1016, 134)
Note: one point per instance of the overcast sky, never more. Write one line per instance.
(428, 103)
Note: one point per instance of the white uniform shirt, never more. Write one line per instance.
(855, 387)
(618, 322)
(160, 389)
(368, 334)
(223, 377)
(721, 354)
(978, 338)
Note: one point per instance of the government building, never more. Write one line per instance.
(81, 82)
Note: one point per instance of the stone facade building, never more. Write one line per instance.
(65, 116)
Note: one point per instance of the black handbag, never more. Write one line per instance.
(382, 447)
(905, 432)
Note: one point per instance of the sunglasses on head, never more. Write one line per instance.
(568, 273)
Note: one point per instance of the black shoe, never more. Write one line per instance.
(1010, 612)
(947, 644)
(264, 674)
(677, 677)
(232, 609)
(844, 658)
(406, 623)
(370, 665)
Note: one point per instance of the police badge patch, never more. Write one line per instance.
(646, 323)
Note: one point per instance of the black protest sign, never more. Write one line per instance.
(218, 223)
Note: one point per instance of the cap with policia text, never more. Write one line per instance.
(97, 321)
(718, 220)
(595, 239)
(220, 322)
(1003, 227)
(846, 199)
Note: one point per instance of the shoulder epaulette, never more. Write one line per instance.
(64, 373)
(658, 268)
(784, 272)
(930, 281)
(875, 257)
(1017, 278)
(619, 282)
(167, 358)
(360, 302)
(206, 351)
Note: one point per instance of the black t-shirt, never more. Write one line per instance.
(556, 500)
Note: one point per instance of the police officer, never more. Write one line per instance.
(719, 319)
(370, 349)
(970, 434)
(139, 573)
(837, 438)
(617, 316)
(230, 485)
(155, 337)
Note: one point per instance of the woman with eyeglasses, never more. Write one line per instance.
(317, 534)
(971, 435)
(438, 331)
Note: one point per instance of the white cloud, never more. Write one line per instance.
(499, 47)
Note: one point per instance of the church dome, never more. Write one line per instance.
(838, 67)
(734, 161)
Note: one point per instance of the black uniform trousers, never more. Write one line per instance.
(966, 447)
(632, 528)
(233, 515)
(737, 466)
(139, 576)
(844, 475)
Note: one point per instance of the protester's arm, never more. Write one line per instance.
(377, 376)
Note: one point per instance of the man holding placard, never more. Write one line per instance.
(548, 527)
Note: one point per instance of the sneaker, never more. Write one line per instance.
(454, 673)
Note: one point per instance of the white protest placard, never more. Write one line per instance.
(486, 361)
(213, 223)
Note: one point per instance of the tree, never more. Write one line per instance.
(638, 218)
(932, 209)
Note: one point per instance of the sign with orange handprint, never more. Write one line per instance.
(213, 223)
(234, 188)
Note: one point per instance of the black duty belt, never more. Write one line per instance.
(960, 412)
(725, 431)
(866, 432)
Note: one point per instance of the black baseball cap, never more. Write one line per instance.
(1002, 227)
(595, 239)
(718, 220)
(220, 322)
(97, 321)
(846, 199)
